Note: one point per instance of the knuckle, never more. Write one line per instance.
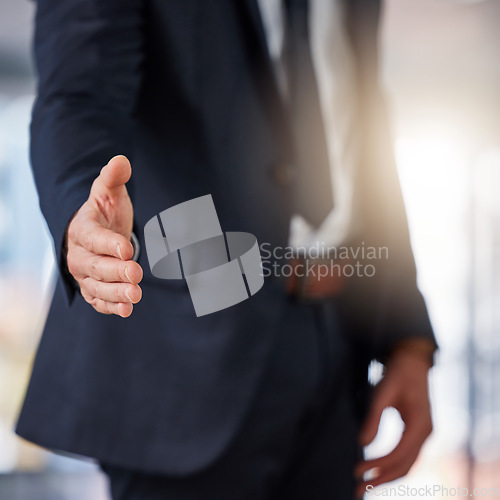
(71, 263)
(111, 245)
(72, 231)
(89, 241)
(86, 296)
(84, 287)
(117, 309)
(95, 303)
(94, 270)
(104, 307)
(120, 273)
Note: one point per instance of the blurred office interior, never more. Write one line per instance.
(441, 68)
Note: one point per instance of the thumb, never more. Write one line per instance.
(383, 398)
(115, 174)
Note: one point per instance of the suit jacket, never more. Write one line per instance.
(186, 89)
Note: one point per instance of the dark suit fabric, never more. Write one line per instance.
(185, 88)
(297, 442)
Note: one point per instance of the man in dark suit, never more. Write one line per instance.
(265, 399)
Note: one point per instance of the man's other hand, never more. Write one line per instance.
(405, 388)
(98, 244)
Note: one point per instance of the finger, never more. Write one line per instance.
(382, 399)
(114, 175)
(387, 468)
(385, 475)
(112, 270)
(120, 309)
(83, 264)
(102, 241)
(382, 464)
(112, 292)
(405, 453)
(103, 307)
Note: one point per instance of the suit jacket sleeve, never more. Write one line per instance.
(388, 307)
(88, 57)
(401, 309)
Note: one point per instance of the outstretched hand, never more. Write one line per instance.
(98, 243)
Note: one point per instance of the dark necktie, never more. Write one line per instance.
(313, 194)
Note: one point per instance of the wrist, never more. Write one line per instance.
(414, 348)
(64, 269)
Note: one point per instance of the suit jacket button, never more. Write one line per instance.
(282, 173)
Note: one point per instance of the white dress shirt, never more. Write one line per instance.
(334, 74)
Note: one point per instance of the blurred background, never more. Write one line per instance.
(441, 66)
